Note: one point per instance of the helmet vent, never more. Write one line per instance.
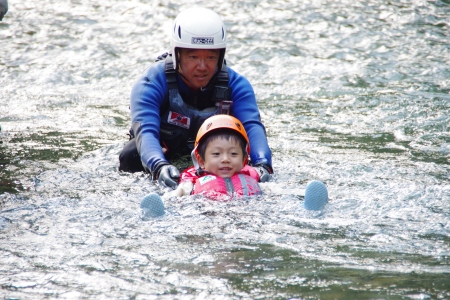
(179, 32)
(223, 33)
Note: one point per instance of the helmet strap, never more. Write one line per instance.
(195, 161)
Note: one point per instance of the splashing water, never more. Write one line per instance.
(353, 94)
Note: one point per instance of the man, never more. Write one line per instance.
(181, 90)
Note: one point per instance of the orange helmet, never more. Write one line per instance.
(220, 122)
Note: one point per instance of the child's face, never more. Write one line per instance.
(223, 157)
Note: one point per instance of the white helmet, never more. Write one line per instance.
(198, 28)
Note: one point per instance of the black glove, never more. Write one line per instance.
(168, 176)
(264, 172)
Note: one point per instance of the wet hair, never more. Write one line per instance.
(227, 134)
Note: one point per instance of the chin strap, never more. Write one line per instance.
(199, 171)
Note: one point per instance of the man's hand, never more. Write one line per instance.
(168, 176)
(264, 172)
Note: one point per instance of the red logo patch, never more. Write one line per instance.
(177, 119)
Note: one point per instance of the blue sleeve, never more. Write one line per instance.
(147, 96)
(246, 110)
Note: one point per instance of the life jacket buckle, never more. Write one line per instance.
(225, 107)
(222, 93)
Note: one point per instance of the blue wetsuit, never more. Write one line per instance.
(149, 97)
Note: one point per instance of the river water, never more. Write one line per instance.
(353, 93)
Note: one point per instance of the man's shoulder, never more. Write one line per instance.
(155, 71)
(156, 66)
(237, 80)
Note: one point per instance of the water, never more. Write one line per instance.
(354, 94)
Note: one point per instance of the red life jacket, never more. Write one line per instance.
(244, 183)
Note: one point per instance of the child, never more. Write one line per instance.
(220, 159)
(220, 169)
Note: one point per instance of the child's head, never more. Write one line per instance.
(221, 146)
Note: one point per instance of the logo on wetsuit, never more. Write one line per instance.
(177, 119)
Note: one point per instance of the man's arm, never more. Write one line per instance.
(246, 110)
(147, 97)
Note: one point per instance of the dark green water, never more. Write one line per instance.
(354, 94)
